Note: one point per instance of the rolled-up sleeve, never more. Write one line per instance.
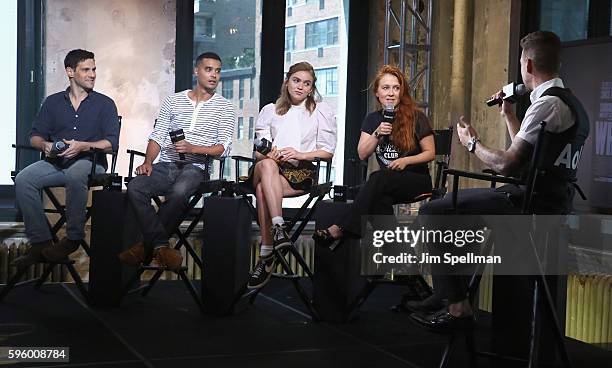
(162, 125)
(326, 128)
(262, 126)
(42, 124)
(111, 126)
(225, 134)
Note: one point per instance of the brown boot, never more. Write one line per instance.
(168, 257)
(60, 251)
(134, 255)
(32, 255)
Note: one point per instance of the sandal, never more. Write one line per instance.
(324, 238)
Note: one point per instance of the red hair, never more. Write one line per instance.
(407, 111)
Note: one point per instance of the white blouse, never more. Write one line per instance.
(298, 128)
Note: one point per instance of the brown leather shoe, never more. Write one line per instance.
(134, 255)
(32, 255)
(60, 251)
(169, 258)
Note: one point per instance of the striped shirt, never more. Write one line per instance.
(207, 124)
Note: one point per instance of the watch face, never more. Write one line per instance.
(470, 145)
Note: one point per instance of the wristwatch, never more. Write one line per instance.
(471, 144)
(376, 134)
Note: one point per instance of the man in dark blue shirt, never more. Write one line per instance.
(80, 119)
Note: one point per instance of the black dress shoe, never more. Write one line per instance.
(428, 305)
(443, 321)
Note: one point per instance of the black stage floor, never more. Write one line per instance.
(165, 329)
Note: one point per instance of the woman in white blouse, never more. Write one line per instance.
(301, 128)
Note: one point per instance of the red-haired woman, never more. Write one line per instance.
(300, 127)
(402, 149)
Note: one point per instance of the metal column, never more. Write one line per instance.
(408, 43)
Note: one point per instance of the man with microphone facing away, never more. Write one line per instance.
(192, 126)
(564, 115)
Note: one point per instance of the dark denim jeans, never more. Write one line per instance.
(177, 183)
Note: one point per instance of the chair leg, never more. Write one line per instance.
(448, 349)
(152, 282)
(471, 347)
(191, 289)
(78, 281)
(534, 338)
(363, 295)
(302, 262)
(45, 275)
(300, 290)
(133, 280)
(559, 335)
(12, 282)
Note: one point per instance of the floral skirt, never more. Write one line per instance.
(301, 177)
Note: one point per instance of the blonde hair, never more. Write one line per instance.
(283, 103)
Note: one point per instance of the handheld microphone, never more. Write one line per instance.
(388, 114)
(58, 147)
(511, 92)
(177, 136)
(262, 146)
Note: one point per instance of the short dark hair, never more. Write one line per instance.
(207, 55)
(544, 48)
(74, 57)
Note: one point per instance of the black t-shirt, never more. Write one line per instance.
(387, 152)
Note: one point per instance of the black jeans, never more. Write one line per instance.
(447, 283)
(383, 189)
(176, 183)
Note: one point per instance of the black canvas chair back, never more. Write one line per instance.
(193, 215)
(95, 180)
(295, 225)
(553, 165)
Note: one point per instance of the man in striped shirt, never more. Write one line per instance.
(207, 121)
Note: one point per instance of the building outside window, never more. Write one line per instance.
(251, 128)
(289, 39)
(204, 26)
(252, 88)
(327, 81)
(322, 33)
(227, 89)
(240, 134)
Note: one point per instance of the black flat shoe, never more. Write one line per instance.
(443, 321)
(324, 238)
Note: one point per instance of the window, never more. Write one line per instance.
(327, 81)
(289, 39)
(567, 18)
(241, 92)
(322, 33)
(251, 128)
(227, 88)
(204, 27)
(236, 29)
(227, 167)
(240, 134)
(8, 71)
